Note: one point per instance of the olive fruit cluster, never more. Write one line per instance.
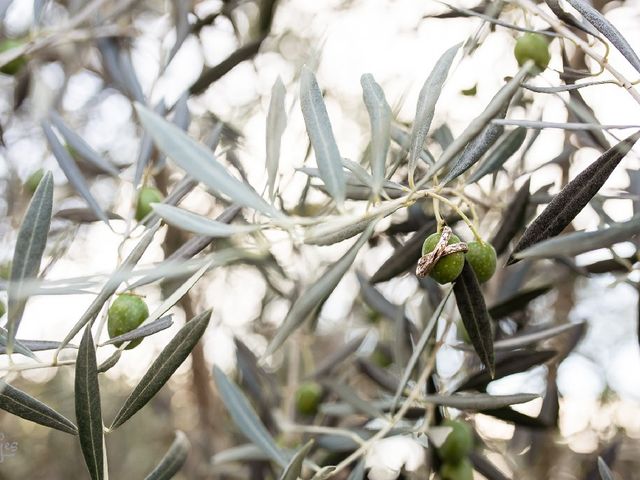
(480, 255)
(126, 313)
(455, 450)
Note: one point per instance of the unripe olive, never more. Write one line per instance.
(34, 180)
(126, 313)
(462, 470)
(381, 356)
(459, 442)
(3, 309)
(146, 197)
(448, 267)
(482, 258)
(15, 65)
(308, 398)
(532, 46)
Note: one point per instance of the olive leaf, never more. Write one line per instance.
(573, 197)
(496, 105)
(317, 293)
(566, 17)
(83, 215)
(506, 364)
(475, 317)
(19, 403)
(26, 347)
(27, 255)
(484, 467)
(508, 414)
(143, 331)
(326, 365)
(294, 468)
(580, 242)
(81, 147)
(195, 223)
(72, 171)
(405, 256)
(380, 119)
(351, 398)
(526, 338)
(110, 362)
(321, 135)
(171, 357)
(199, 162)
(512, 223)
(276, 124)
(603, 470)
(478, 401)
(245, 417)
(429, 95)
(595, 18)
(500, 154)
(517, 301)
(173, 460)
(476, 148)
(146, 147)
(88, 409)
(378, 375)
(358, 471)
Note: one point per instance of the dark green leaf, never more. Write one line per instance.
(25, 406)
(143, 331)
(88, 410)
(603, 469)
(478, 401)
(173, 460)
(380, 119)
(517, 302)
(485, 468)
(475, 317)
(245, 417)
(171, 357)
(500, 154)
(514, 221)
(294, 468)
(574, 197)
(30, 345)
(30, 245)
(110, 362)
(520, 419)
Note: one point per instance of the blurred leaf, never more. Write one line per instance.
(81, 147)
(507, 364)
(27, 256)
(512, 223)
(380, 119)
(595, 18)
(195, 223)
(405, 256)
(72, 172)
(573, 197)
(485, 468)
(603, 469)
(496, 105)
(245, 417)
(242, 453)
(526, 338)
(517, 302)
(146, 150)
(316, 294)
(500, 154)
(425, 109)
(171, 357)
(378, 375)
(580, 242)
(429, 329)
(276, 124)
(359, 172)
(326, 365)
(579, 126)
(200, 162)
(88, 410)
(143, 331)
(403, 140)
(321, 135)
(478, 401)
(294, 468)
(358, 471)
(348, 395)
(475, 317)
(173, 460)
(565, 88)
(110, 362)
(520, 419)
(18, 403)
(83, 215)
(19, 346)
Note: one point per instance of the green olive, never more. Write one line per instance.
(482, 258)
(308, 398)
(459, 442)
(34, 180)
(126, 313)
(146, 197)
(15, 65)
(462, 470)
(448, 267)
(532, 46)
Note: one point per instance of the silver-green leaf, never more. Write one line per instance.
(380, 119)
(321, 135)
(173, 460)
(294, 468)
(276, 124)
